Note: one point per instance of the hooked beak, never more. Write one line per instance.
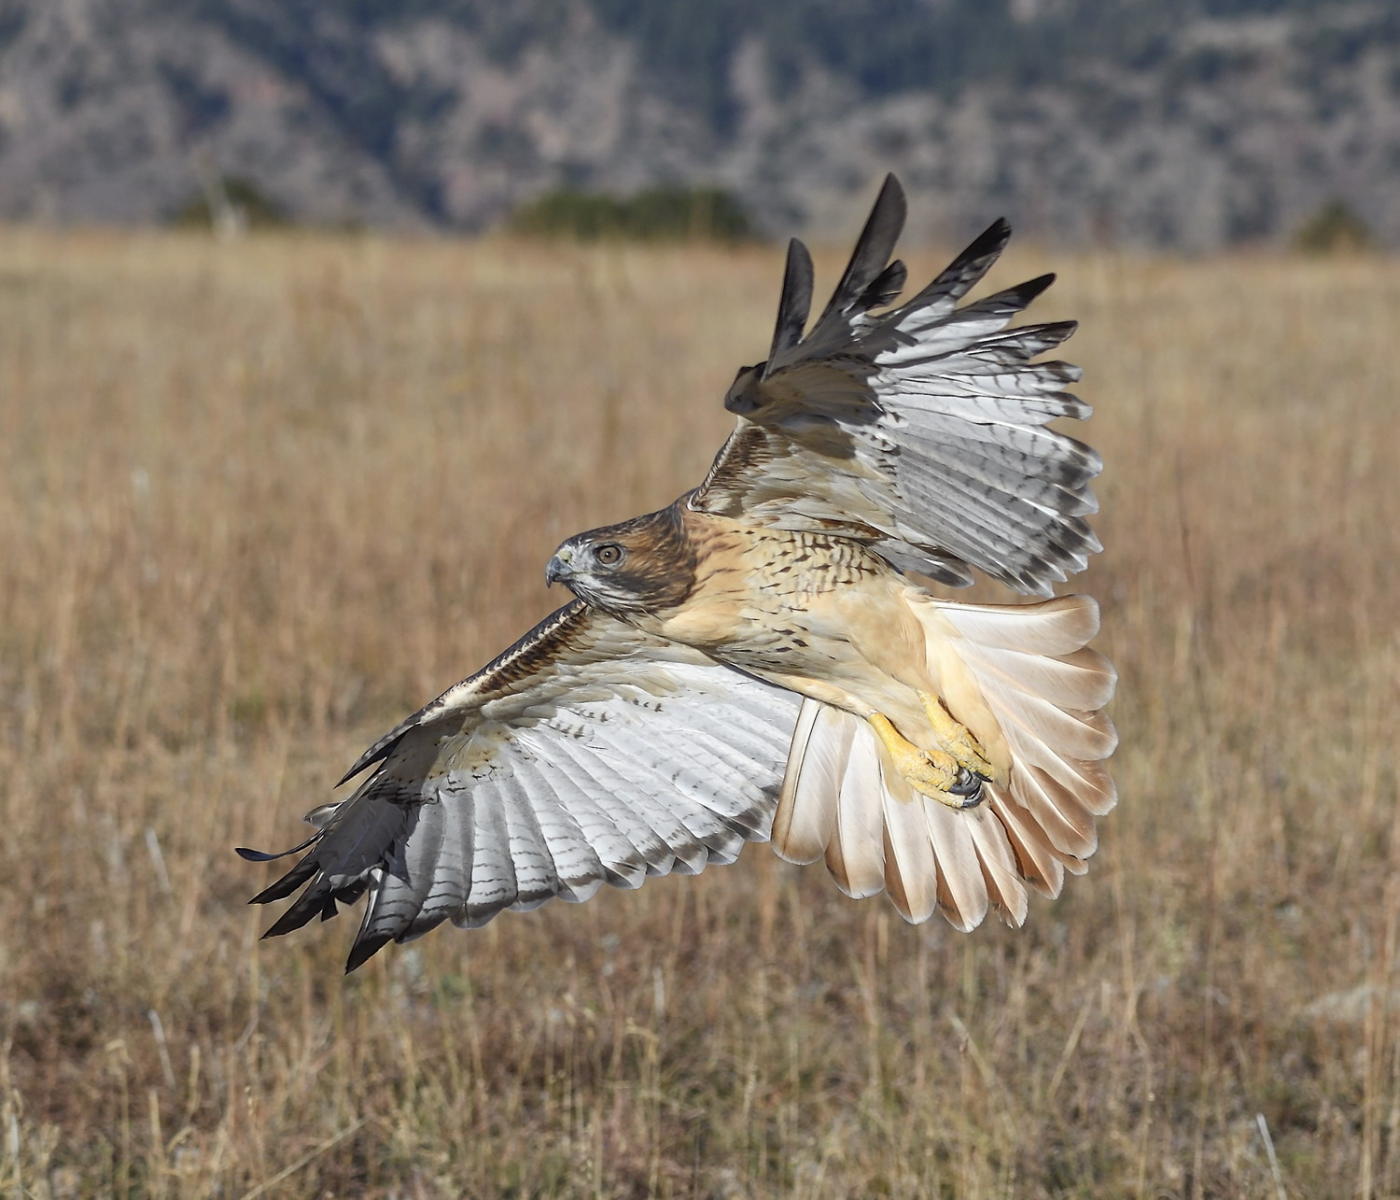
(559, 570)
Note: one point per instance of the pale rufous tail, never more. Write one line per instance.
(1023, 680)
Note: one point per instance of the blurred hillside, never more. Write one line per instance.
(1189, 125)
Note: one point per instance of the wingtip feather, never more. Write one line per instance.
(991, 240)
(794, 302)
(873, 247)
(364, 949)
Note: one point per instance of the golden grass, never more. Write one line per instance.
(261, 499)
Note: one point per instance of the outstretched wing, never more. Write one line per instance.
(920, 431)
(587, 753)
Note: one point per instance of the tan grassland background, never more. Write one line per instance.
(259, 499)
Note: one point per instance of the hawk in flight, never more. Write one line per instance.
(761, 659)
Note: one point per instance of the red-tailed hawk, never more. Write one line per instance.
(754, 661)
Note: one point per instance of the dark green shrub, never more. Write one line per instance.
(662, 213)
(1334, 227)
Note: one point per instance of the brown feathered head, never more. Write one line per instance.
(641, 565)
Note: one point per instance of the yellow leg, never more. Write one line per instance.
(956, 738)
(930, 772)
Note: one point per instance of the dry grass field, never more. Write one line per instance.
(258, 500)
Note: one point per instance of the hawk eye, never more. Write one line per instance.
(609, 554)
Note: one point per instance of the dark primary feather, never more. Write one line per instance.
(795, 302)
(872, 250)
(965, 271)
(884, 287)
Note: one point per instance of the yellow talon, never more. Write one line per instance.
(929, 772)
(957, 739)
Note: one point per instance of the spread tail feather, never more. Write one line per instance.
(1023, 680)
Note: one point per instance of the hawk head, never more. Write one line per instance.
(639, 566)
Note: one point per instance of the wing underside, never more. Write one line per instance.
(587, 754)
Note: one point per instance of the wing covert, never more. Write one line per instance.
(587, 753)
(923, 430)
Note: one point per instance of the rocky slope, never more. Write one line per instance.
(1223, 121)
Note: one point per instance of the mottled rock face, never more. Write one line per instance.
(1216, 131)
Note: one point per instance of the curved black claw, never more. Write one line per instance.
(968, 785)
